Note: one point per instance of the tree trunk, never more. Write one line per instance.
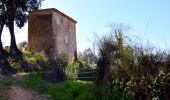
(57, 74)
(1, 47)
(13, 47)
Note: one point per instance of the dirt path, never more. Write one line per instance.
(18, 93)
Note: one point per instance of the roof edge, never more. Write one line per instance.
(55, 10)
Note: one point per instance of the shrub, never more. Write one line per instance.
(16, 65)
(36, 61)
(134, 70)
(72, 69)
(161, 86)
(7, 48)
(76, 67)
(31, 57)
(28, 62)
(23, 46)
(59, 67)
(5, 67)
(63, 60)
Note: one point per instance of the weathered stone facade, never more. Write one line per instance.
(53, 32)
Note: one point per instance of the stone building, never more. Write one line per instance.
(53, 32)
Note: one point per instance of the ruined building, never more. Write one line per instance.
(53, 32)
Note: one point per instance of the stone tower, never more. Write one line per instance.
(53, 32)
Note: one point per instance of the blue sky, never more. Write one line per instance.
(93, 16)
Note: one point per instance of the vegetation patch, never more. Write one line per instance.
(4, 84)
(65, 90)
(27, 62)
(2, 98)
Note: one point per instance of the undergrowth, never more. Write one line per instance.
(26, 62)
(65, 90)
(4, 84)
(2, 98)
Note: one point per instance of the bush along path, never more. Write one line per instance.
(11, 89)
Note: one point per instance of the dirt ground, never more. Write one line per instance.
(16, 92)
(1, 77)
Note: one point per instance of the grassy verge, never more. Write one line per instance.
(66, 90)
(2, 98)
(4, 84)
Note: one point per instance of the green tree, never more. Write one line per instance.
(2, 22)
(16, 11)
(88, 57)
